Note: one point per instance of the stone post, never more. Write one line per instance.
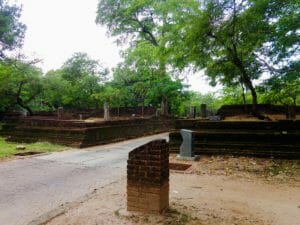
(291, 112)
(148, 178)
(186, 148)
(193, 112)
(106, 111)
(60, 113)
(164, 108)
(203, 110)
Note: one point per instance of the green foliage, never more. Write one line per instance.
(20, 84)
(237, 41)
(76, 84)
(281, 91)
(11, 30)
(140, 77)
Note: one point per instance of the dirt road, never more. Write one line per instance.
(214, 191)
(33, 189)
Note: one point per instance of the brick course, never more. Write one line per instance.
(148, 177)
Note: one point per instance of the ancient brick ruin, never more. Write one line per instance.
(259, 139)
(148, 178)
(81, 134)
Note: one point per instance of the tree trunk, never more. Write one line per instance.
(247, 81)
(20, 103)
(243, 94)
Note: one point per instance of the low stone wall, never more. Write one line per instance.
(148, 177)
(261, 139)
(80, 134)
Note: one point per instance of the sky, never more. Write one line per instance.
(56, 29)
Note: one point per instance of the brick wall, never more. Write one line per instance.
(148, 177)
(81, 134)
(261, 139)
(233, 110)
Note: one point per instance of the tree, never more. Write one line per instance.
(234, 40)
(75, 84)
(20, 84)
(140, 23)
(284, 90)
(140, 74)
(11, 30)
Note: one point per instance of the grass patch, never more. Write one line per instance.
(8, 149)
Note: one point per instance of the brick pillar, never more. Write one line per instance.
(148, 178)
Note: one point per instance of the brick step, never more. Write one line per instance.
(239, 146)
(287, 153)
(237, 125)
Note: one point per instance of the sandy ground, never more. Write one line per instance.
(213, 191)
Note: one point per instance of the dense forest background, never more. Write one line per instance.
(250, 47)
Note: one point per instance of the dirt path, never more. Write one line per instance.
(215, 190)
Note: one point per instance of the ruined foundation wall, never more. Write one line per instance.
(260, 139)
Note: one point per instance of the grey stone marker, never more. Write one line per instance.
(106, 111)
(186, 148)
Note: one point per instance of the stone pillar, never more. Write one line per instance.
(148, 178)
(106, 111)
(60, 113)
(291, 112)
(186, 148)
(164, 108)
(193, 112)
(203, 110)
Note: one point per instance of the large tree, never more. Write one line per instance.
(236, 41)
(75, 83)
(20, 85)
(136, 22)
(11, 29)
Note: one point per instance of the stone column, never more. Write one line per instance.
(106, 111)
(291, 112)
(203, 110)
(60, 113)
(186, 148)
(148, 178)
(193, 112)
(164, 108)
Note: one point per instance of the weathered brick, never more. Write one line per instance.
(148, 177)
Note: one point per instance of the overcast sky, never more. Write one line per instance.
(58, 28)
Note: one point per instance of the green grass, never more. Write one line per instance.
(8, 149)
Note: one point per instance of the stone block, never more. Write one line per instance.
(186, 148)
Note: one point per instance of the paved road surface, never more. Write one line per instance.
(34, 186)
